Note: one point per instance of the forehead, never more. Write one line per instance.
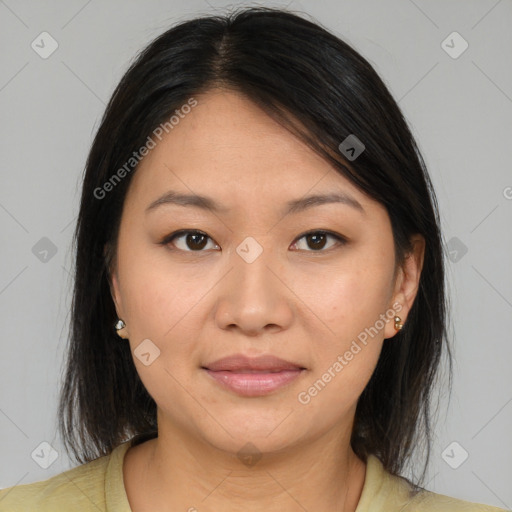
(227, 147)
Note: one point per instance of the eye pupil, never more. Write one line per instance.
(315, 238)
(195, 237)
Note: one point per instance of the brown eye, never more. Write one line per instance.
(188, 241)
(195, 241)
(317, 240)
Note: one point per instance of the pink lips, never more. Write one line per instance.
(253, 376)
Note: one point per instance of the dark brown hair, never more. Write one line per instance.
(322, 90)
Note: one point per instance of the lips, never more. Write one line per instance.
(240, 363)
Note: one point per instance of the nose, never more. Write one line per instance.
(254, 298)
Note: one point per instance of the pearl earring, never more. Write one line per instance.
(120, 325)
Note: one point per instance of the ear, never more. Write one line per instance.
(113, 281)
(114, 291)
(406, 284)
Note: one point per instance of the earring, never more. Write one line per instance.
(119, 326)
(398, 325)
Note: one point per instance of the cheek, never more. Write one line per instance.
(349, 302)
(162, 305)
(158, 297)
(346, 300)
(346, 356)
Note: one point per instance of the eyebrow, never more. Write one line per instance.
(294, 206)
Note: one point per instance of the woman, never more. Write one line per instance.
(259, 304)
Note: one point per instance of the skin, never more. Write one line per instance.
(300, 303)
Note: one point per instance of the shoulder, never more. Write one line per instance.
(427, 501)
(390, 492)
(81, 488)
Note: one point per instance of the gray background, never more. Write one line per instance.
(460, 110)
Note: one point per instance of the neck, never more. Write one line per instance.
(180, 472)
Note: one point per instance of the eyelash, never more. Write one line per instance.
(176, 234)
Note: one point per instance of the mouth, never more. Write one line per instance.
(253, 383)
(241, 363)
(251, 370)
(253, 376)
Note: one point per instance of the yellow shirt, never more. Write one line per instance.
(98, 487)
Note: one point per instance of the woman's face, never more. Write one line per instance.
(254, 283)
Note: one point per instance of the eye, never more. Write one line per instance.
(317, 240)
(195, 241)
(191, 240)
